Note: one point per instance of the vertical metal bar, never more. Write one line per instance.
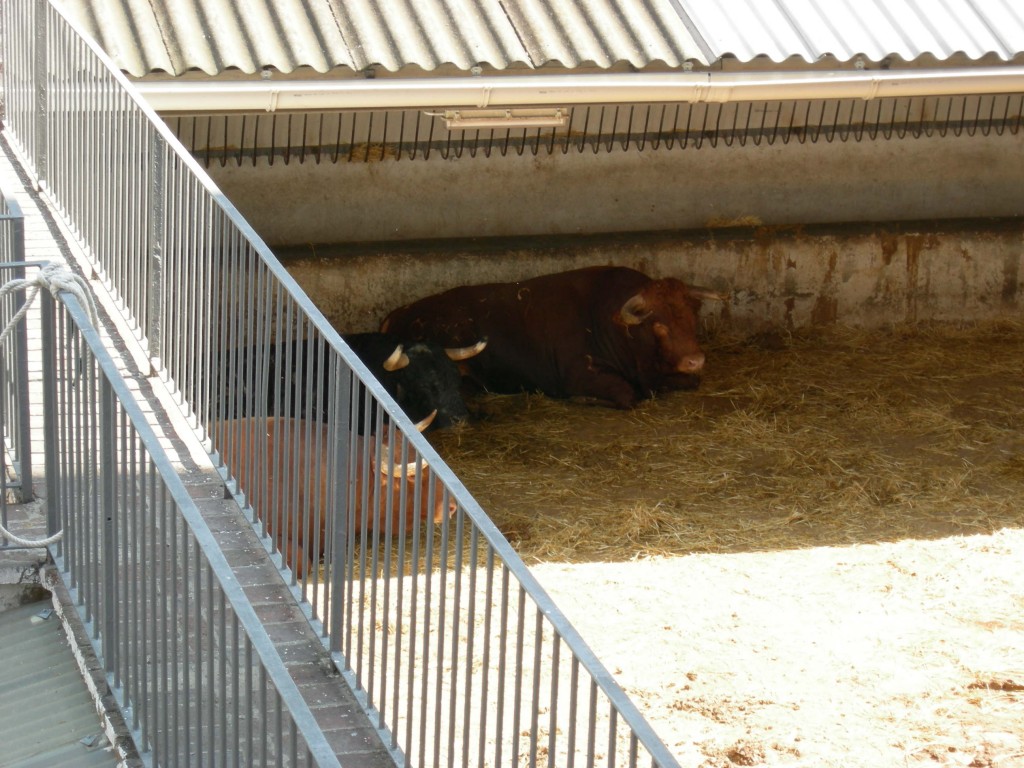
(188, 594)
(613, 714)
(236, 703)
(499, 728)
(152, 325)
(225, 673)
(467, 695)
(124, 470)
(398, 570)
(170, 704)
(148, 689)
(485, 663)
(412, 665)
(41, 48)
(23, 415)
(592, 724)
(210, 659)
(459, 547)
(250, 704)
(442, 573)
(556, 648)
(517, 679)
(107, 518)
(50, 410)
(538, 648)
(574, 682)
(131, 574)
(263, 709)
(196, 638)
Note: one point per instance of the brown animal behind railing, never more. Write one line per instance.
(282, 466)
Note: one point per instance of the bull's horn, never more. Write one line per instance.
(398, 470)
(426, 421)
(632, 311)
(410, 469)
(403, 470)
(397, 361)
(464, 353)
(706, 293)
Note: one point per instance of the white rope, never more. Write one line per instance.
(55, 277)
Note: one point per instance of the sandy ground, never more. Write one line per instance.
(901, 654)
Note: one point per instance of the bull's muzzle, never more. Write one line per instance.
(691, 363)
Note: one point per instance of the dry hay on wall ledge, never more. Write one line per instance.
(827, 437)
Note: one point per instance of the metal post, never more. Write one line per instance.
(21, 371)
(47, 308)
(153, 324)
(39, 79)
(108, 515)
(338, 549)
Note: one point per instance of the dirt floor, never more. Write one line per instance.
(817, 559)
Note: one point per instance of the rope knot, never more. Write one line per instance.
(55, 277)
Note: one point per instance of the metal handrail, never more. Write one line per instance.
(89, 406)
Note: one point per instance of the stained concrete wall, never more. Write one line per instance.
(781, 277)
(811, 251)
(630, 191)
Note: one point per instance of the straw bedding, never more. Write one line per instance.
(823, 437)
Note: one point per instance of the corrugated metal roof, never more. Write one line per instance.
(46, 710)
(214, 36)
(843, 29)
(250, 35)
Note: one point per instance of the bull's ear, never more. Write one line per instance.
(706, 293)
(634, 311)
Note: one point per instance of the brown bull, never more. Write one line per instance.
(611, 334)
(282, 465)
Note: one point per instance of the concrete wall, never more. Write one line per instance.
(778, 277)
(630, 191)
(779, 227)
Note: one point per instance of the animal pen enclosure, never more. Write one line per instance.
(821, 548)
(795, 542)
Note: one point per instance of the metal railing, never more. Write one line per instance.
(15, 428)
(451, 645)
(191, 666)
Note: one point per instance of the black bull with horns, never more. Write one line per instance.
(609, 334)
(292, 379)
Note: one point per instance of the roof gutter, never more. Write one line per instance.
(560, 90)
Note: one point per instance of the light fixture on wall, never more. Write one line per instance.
(466, 119)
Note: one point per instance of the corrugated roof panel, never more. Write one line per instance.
(604, 33)
(249, 35)
(352, 35)
(214, 35)
(428, 33)
(844, 29)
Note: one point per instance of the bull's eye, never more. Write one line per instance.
(660, 330)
